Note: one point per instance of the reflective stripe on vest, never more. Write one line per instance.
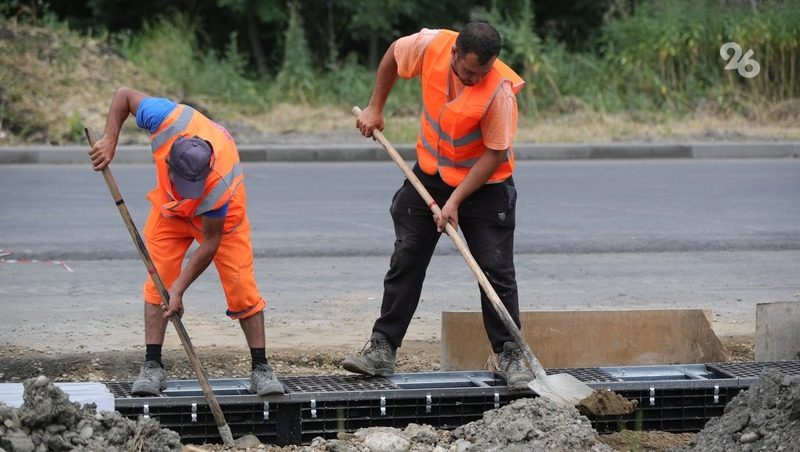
(463, 141)
(444, 161)
(173, 129)
(216, 194)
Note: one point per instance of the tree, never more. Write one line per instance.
(295, 79)
(255, 13)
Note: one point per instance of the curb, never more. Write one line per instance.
(372, 152)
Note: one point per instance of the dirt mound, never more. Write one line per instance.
(607, 403)
(765, 417)
(47, 420)
(524, 425)
(55, 81)
(531, 424)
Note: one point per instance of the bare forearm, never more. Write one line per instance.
(117, 113)
(197, 264)
(125, 102)
(477, 176)
(203, 255)
(384, 79)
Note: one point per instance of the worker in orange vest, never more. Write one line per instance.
(199, 196)
(465, 159)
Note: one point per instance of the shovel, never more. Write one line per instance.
(560, 388)
(216, 410)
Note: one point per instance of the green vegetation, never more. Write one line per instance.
(168, 51)
(649, 60)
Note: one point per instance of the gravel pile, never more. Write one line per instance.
(531, 424)
(49, 421)
(766, 417)
(523, 425)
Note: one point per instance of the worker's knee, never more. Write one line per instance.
(494, 260)
(409, 253)
(498, 268)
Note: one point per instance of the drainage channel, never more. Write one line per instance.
(672, 398)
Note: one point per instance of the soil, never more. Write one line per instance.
(19, 363)
(765, 417)
(606, 403)
(631, 441)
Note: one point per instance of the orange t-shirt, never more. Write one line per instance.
(498, 125)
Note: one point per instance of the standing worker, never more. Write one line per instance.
(199, 195)
(465, 160)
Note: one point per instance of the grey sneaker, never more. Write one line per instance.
(511, 366)
(151, 381)
(264, 382)
(376, 359)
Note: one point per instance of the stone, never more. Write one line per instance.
(247, 441)
(749, 437)
(386, 442)
(87, 432)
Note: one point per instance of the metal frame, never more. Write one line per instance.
(674, 398)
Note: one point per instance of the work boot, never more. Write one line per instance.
(376, 359)
(264, 382)
(511, 366)
(151, 381)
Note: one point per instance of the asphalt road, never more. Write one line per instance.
(599, 234)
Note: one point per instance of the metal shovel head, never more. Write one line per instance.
(561, 388)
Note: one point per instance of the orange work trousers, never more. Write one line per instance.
(168, 240)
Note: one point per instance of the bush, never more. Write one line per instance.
(669, 52)
(168, 50)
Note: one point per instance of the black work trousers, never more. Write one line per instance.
(486, 218)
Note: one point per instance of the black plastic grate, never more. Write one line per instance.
(120, 389)
(198, 425)
(328, 419)
(669, 410)
(586, 375)
(337, 383)
(753, 370)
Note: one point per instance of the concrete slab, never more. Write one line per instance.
(743, 150)
(590, 338)
(640, 151)
(528, 151)
(778, 331)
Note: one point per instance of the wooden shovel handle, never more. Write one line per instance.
(219, 417)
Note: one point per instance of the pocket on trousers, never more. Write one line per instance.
(511, 197)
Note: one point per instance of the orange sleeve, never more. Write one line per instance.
(499, 124)
(409, 50)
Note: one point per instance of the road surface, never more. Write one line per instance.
(722, 235)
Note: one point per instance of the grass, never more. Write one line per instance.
(658, 76)
(576, 127)
(54, 81)
(608, 127)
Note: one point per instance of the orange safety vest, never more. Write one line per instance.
(225, 182)
(450, 139)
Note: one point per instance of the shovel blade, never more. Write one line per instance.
(564, 389)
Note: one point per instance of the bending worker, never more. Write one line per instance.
(465, 160)
(199, 195)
